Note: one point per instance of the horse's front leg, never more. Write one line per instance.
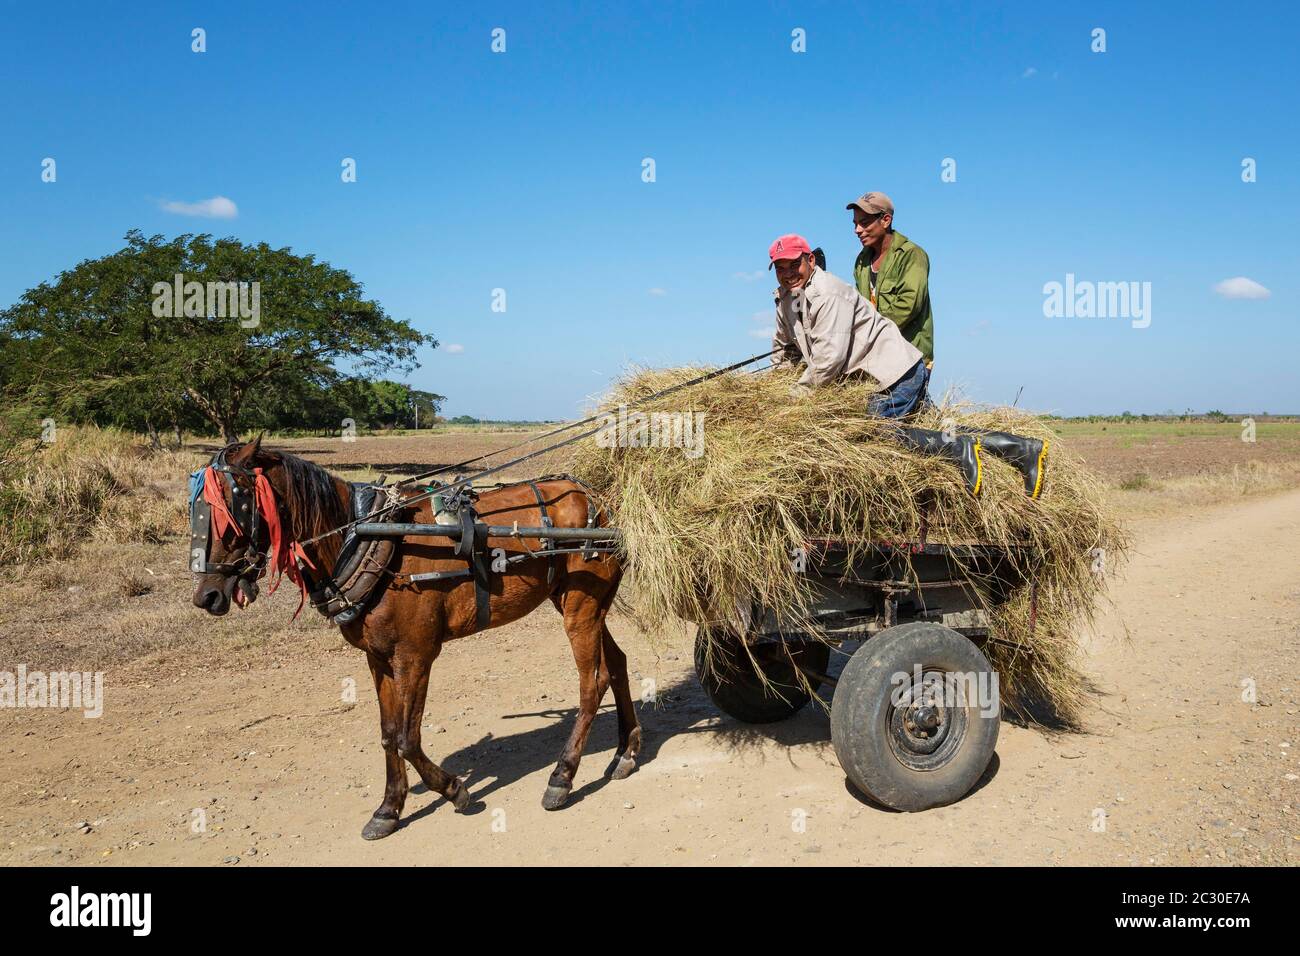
(384, 821)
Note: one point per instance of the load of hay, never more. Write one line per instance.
(705, 534)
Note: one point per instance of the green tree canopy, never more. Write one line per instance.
(108, 340)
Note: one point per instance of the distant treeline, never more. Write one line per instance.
(1188, 416)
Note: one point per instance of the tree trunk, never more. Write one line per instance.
(223, 418)
(155, 442)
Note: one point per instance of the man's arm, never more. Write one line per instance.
(902, 303)
(829, 338)
(783, 339)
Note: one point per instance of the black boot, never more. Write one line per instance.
(963, 449)
(1027, 454)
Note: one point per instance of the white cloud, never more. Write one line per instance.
(1032, 71)
(763, 333)
(454, 349)
(749, 276)
(765, 316)
(655, 291)
(979, 328)
(1241, 288)
(218, 207)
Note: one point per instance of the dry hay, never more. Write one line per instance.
(704, 536)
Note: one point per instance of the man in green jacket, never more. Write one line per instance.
(893, 272)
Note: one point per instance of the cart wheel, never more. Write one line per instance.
(737, 690)
(911, 744)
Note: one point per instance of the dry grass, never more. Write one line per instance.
(126, 608)
(706, 536)
(90, 483)
(1143, 496)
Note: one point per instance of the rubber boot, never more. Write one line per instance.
(964, 450)
(1027, 454)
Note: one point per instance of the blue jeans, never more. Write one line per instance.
(904, 397)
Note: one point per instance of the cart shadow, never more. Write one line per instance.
(493, 763)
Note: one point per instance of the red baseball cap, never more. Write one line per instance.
(789, 246)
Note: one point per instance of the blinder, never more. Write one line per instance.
(243, 509)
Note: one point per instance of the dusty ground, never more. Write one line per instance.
(250, 721)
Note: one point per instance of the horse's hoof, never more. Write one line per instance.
(378, 828)
(555, 797)
(624, 768)
(461, 799)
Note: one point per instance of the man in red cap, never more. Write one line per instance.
(836, 332)
(828, 325)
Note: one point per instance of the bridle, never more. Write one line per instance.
(242, 510)
(252, 515)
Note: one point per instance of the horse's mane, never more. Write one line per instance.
(311, 499)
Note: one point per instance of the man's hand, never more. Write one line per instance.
(798, 390)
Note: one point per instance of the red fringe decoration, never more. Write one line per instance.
(284, 554)
(214, 496)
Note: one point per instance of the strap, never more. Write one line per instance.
(472, 546)
(548, 544)
(594, 507)
(589, 555)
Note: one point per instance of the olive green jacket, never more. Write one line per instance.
(902, 290)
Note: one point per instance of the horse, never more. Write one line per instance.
(267, 507)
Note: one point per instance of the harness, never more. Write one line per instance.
(344, 592)
(457, 507)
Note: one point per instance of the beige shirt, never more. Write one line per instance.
(839, 332)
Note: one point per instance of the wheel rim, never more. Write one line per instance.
(924, 731)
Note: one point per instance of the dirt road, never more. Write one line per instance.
(279, 767)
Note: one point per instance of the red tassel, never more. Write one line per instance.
(297, 554)
(213, 495)
(276, 552)
(283, 555)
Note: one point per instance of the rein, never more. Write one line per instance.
(467, 482)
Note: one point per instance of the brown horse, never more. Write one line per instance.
(407, 623)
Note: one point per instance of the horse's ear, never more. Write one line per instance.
(247, 451)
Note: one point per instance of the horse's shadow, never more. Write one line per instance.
(493, 763)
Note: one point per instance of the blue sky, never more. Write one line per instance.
(522, 171)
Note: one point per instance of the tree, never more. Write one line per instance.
(425, 406)
(112, 340)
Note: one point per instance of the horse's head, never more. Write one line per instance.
(230, 534)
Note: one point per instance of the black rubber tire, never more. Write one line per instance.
(865, 723)
(739, 692)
